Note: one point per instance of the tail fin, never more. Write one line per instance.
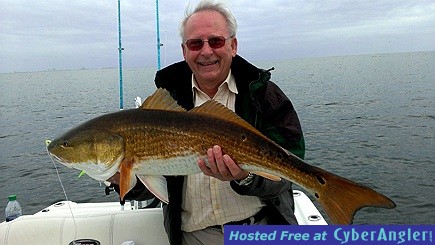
(341, 198)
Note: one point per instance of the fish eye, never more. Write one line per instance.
(65, 143)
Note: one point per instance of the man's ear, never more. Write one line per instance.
(184, 50)
(234, 46)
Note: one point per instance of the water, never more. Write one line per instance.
(369, 118)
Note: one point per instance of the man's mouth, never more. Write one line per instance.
(208, 63)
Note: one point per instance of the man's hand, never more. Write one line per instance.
(221, 166)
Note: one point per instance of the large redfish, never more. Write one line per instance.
(161, 138)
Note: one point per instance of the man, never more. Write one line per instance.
(199, 205)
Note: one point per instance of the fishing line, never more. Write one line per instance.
(47, 142)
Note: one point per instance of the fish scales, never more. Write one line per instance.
(161, 138)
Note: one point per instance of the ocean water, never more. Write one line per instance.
(369, 118)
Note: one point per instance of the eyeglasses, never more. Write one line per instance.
(196, 44)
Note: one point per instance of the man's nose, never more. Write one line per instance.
(206, 49)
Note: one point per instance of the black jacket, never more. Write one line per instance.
(261, 103)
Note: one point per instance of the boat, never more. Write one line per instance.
(68, 222)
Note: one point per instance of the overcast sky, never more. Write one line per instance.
(71, 34)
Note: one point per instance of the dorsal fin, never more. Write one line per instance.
(161, 100)
(216, 109)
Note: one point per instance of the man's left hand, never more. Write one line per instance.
(221, 166)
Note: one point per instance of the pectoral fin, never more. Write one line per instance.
(127, 179)
(157, 185)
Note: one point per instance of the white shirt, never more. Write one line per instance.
(207, 200)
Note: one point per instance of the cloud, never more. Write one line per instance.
(38, 35)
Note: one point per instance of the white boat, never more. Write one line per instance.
(105, 223)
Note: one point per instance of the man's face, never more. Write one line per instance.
(210, 66)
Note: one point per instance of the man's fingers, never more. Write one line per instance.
(211, 160)
(204, 168)
(220, 166)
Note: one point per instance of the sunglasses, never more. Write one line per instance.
(196, 44)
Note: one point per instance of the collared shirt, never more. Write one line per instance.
(207, 200)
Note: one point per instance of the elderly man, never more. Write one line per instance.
(199, 205)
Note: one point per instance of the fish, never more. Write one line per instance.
(161, 138)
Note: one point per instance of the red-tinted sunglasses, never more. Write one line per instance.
(196, 44)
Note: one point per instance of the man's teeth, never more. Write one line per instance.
(208, 63)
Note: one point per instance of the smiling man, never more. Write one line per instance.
(208, 47)
(200, 205)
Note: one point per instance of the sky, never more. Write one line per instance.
(75, 34)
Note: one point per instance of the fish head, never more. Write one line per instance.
(94, 151)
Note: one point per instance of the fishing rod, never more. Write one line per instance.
(159, 44)
(120, 48)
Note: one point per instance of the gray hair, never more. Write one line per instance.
(208, 5)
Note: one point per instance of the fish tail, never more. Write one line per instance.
(342, 198)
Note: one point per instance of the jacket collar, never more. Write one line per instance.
(177, 78)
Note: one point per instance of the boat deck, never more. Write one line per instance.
(108, 224)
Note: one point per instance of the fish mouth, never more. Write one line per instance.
(58, 159)
(96, 171)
